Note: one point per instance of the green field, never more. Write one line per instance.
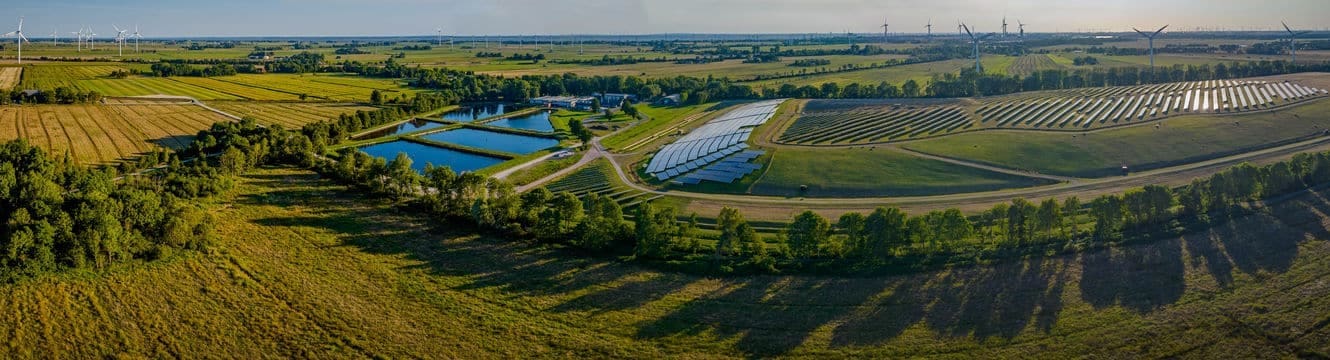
(305, 269)
(869, 171)
(1177, 141)
(895, 75)
(659, 118)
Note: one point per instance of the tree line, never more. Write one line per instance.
(61, 95)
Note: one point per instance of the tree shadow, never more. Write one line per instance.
(1141, 278)
(769, 315)
(997, 301)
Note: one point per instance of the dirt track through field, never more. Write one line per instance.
(9, 77)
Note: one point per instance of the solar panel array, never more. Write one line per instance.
(712, 141)
(1084, 109)
(727, 170)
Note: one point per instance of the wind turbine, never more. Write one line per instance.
(438, 36)
(55, 36)
(18, 34)
(1152, 43)
(976, 40)
(884, 30)
(960, 28)
(136, 37)
(1020, 26)
(1292, 42)
(120, 38)
(930, 29)
(92, 39)
(1004, 26)
(79, 34)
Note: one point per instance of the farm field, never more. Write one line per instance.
(734, 69)
(100, 134)
(9, 77)
(896, 75)
(289, 115)
(49, 75)
(1184, 139)
(1029, 64)
(327, 87)
(306, 269)
(872, 172)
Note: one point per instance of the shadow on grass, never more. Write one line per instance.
(773, 315)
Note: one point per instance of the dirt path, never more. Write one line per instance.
(984, 167)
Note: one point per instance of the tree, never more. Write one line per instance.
(1107, 212)
(401, 179)
(653, 236)
(728, 223)
(885, 230)
(1070, 207)
(558, 220)
(1048, 216)
(595, 104)
(807, 234)
(376, 97)
(852, 225)
(580, 131)
(630, 110)
(1020, 221)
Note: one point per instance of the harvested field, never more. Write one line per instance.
(290, 115)
(100, 134)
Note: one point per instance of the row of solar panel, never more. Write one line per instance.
(726, 170)
(702, 145)
(698, 163)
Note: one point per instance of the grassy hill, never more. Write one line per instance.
(306, 269)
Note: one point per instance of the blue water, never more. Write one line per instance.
(535, 122)
(475, 112)
(490, 140)
(406, 127)
(422, 154)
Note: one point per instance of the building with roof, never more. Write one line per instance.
(564, 102)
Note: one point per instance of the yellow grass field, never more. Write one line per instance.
(9, 77)
(290, 115)
(99, 134)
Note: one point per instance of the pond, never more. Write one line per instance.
(422, 154)
(406, 127)
(535, 122)
(492, 140)
(475, 112)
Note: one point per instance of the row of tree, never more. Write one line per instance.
(180, 69)
(61, 95)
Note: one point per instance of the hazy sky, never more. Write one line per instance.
(476, 17)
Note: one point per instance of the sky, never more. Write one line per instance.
(185, 18)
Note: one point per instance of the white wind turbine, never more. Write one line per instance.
(79, 35)
(55, 36)
(976, 40)
(18, 34)
(136, 37)
(92, 39)
(438, 36)
(120, 38)
(1152, 43)
(1292, 42)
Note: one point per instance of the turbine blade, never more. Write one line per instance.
(967, 30)
(1159, 31)
(25, 38)
(1290, 31)
(1138, 31)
